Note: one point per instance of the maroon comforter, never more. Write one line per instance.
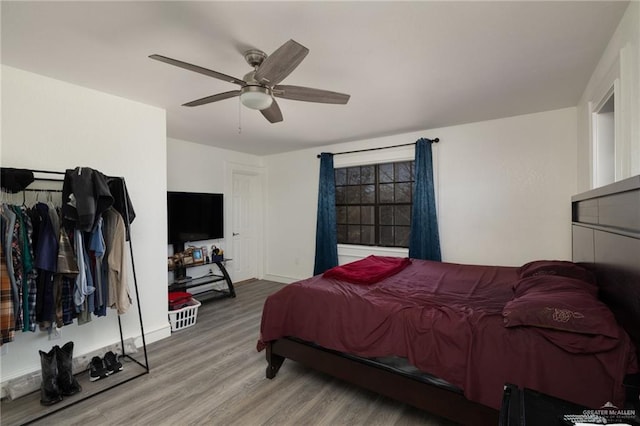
(447, 320)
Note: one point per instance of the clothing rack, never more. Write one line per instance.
(72, 400)
(436, 140)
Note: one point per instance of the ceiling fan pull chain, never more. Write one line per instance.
(239, 117)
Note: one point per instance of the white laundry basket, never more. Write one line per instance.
(184, 317)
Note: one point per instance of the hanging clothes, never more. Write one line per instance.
(9, 218)
(85, 195)
(88, 306)
(66, 263)
(7, 318)
(83, 287)
(121, 201)
(29, 273)
(97, 250)
(46, 260)
(114, 234)
(15, 180)
(64, 280)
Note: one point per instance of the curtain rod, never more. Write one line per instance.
(436, 140)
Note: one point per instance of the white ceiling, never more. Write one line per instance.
(407, 65)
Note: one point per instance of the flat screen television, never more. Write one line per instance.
(193, 216)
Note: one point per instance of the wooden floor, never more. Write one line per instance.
(212, 374)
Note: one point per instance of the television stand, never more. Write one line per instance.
(184, 283)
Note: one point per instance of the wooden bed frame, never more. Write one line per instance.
(606, 238)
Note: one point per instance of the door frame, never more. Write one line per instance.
(231, 169)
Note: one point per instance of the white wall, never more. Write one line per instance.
(504, 189)
(200, 168)
(51, 125)
(620, 66)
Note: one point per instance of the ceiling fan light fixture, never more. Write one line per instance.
(256, 97)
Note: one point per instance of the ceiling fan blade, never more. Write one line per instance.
(198, 69)
(309, 94)
(273, 113)
(213, 98)
(280, 63)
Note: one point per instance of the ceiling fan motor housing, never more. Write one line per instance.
(255, 57)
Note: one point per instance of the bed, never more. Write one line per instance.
(446, 337)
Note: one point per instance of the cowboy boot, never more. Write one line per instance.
(49, 391)
(66, 380)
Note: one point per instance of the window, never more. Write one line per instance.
(373, 204)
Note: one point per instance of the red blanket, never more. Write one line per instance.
(369, 270)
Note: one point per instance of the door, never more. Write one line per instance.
(244, 226)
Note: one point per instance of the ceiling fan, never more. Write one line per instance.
(258, 87)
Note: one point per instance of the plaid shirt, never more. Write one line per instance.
(29, 273)
(67, 271)
(7, 319)
(16, 259)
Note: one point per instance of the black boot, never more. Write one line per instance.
(66, 381)
(49, 391)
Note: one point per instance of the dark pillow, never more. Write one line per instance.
(556, 267)
(552, 284)
(566, 310)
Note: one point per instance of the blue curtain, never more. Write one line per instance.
(425, 239)
(326, 237)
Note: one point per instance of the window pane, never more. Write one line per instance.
(342, 234)
(368, 174)
(368, 215)
(368, 235)
(341, 214)
(403, 172)
(386, 215)
(354, 234)
(373, 204)
(386, 235)
(353, 175)
(353, 215)
(341, 195)
(402, 215)
(402, 236)
(403, 192)
(385, 172)
(386, 193)
(353, 194)
(368, 194)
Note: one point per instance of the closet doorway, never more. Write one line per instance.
(246, 215)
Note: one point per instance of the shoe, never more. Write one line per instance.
(98, 370)
(66, 381)
(111, 363)
(49, 390)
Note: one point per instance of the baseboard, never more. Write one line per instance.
(29, 381)
(155, 335)
(281, 279)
